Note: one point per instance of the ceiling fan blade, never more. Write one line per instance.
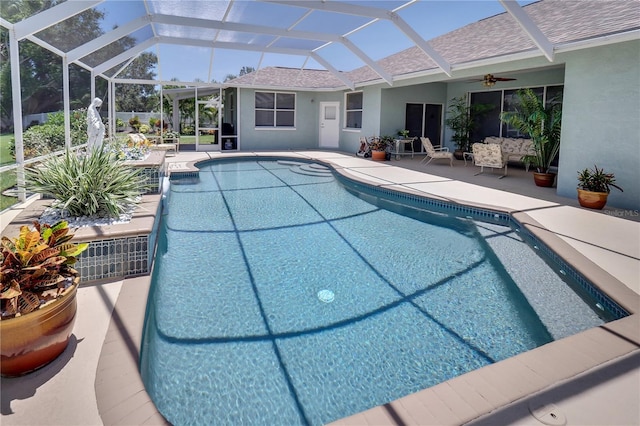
(503, 79)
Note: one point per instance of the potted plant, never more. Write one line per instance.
(380, 147)
(462, 118)
(404, 134)
(37, 295)
(594, 186)
(542, 124)
(170, 136)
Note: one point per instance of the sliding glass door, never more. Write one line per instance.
(424, 120)
(489, 124)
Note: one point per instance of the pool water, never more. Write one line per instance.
(279, 297)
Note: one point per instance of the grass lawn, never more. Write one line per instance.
(7, 179)
(5, 157)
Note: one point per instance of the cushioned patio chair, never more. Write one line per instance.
(435, 153)
(489, 155)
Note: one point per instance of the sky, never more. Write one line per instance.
(429, 18)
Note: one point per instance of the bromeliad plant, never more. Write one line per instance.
(596, 180)
(94, 185)
(36, 267)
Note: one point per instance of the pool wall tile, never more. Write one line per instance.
(153, 169)
(493, 216)
(497, 217)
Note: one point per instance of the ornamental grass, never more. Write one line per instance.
(96, 184)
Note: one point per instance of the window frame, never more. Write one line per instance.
(275, 110)
(503, 131)
(347, 110)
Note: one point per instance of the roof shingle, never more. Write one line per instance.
(561, 21)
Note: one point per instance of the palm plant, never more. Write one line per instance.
(541, 123)
(97, 184)
(463, 118)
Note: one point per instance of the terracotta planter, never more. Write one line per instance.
(458, 154)
(592, 200)
(35, 339)
(378, 155)
(544, 179)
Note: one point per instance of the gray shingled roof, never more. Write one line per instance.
(289, 77)
(562, 21)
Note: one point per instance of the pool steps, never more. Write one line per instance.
(309, 169)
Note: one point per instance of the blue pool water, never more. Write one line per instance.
(279, 297)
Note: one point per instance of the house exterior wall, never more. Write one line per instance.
(545, 77)
(303, 136)
(601, 123)
(600, 114)
(394, 100)
(371, 104)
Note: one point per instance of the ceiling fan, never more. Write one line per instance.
(490, 80)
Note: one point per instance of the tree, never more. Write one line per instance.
(41, 70)
(139, 97)
(244, 70)
(462, 118)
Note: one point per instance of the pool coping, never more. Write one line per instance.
(464, 398)
(122, 398)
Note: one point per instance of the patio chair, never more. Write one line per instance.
(435, 153)
(489, 155)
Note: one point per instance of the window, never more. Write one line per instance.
(509, 104)
(354, 110)
(275, 109)
(490, 124)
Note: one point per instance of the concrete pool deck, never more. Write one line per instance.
(589, 378)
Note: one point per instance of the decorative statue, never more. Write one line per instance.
(95, 127)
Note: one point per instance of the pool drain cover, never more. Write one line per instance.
(326, 296)
(548, 414)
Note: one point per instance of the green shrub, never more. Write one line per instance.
(95, 185)
(48, 137)
(40, 140)
(134, 122)
(125, 149)
(144, 128)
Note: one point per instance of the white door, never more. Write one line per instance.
(329, 124)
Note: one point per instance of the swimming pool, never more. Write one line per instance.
(279, 297)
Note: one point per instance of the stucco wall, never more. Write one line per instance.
(544, 77)
(303, 136)
(394, 100)
(601, 120)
